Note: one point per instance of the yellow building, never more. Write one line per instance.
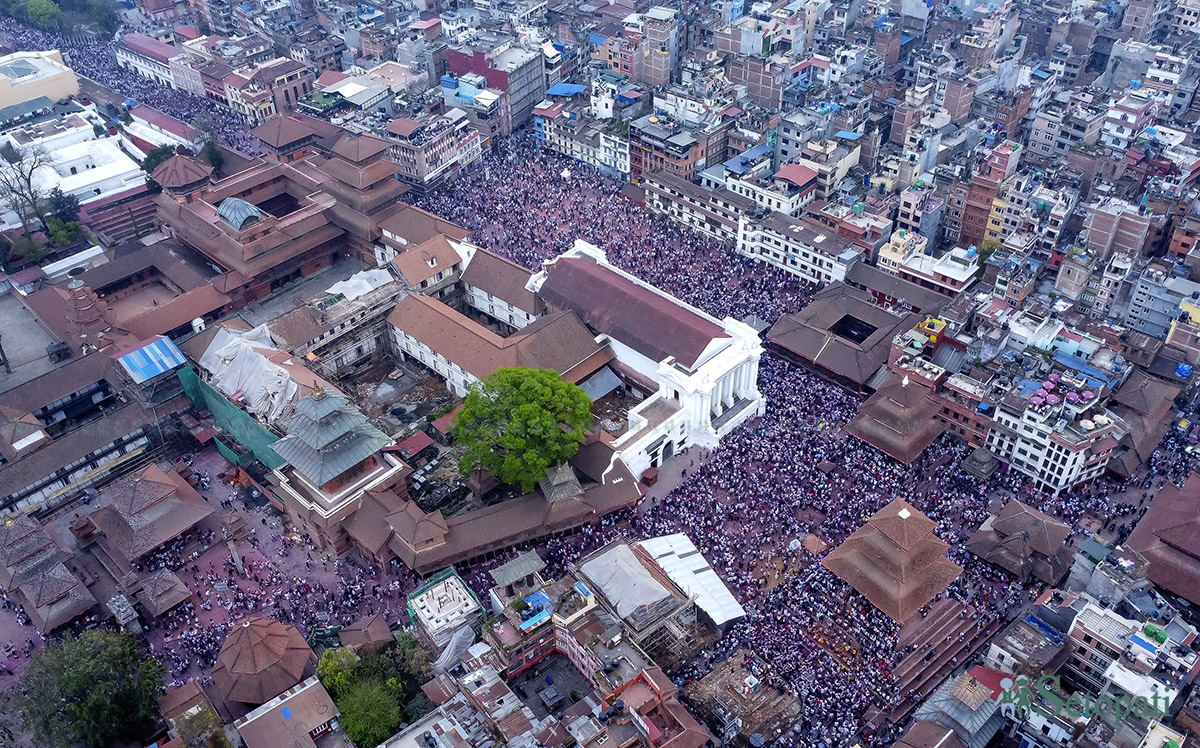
(25, 76)
(1185, 335)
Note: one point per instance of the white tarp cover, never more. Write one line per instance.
(236, 366)
(362, 282)
(624, 581)
(686, 567)
(462, 640)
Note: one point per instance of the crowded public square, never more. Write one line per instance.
(748, 505)
(93, 57)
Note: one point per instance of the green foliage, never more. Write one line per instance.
(197, 728)
(211, 153)
(25, 247)
(44, 13)
(370, 714)
(64, 207)
(97, 690)
(417, 707)
(62, 232)
(153, 159)
(519, 422)
(6, 252)
(337, 670)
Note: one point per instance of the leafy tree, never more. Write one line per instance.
(103, 15)
(6, 251)
(370, 715)
(417, 707)
(212, 154)
(62, 232)
(519, 422)
(97, 690)
(198, 729)
(412, 659)
(64, 207)
(337, 670)
(152, 161)
(18, 190)
(44, 13)
(26, 248)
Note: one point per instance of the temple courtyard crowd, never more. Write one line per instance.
(94, 57)
(748, 504)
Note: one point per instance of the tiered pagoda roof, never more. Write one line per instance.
(895, 561)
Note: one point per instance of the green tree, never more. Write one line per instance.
(6, 252)
(519, 422)
(370, 715)
(64, 207)
(62, 232)
(337, 670)
(103, 15)
(27, 249)
(417, 707)
(152, 161)
(97, 690)
(44, 13)
(211, 152)
(197, 729)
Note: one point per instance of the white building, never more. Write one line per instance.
(497, 287)
(700, 374)
(443, 606)
(148, 57)
(811, 252)
(1060, 440)
(83, 165)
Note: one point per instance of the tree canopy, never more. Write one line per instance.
(44, 13)
(337, 670)
(97, 690)
(519, 422)
(153, 159)
(65, 207)
(370, 713)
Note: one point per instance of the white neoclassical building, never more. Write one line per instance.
(698, 374)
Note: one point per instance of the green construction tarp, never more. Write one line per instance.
(233, 422)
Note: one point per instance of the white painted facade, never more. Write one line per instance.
(796, 252)
(496, 307)
(458, 381)
(691, 406)
(145, 66)
(83, 165)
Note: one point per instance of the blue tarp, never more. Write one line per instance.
(597, 39)
(565, 89)
(905, 39)
(154, 358)
(847, 135)
(1098, 377)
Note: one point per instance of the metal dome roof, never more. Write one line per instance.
(238, 212)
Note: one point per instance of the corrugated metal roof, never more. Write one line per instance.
(156, 357)
(686, 567)
(327, 436)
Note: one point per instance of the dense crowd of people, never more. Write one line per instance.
(94, 57)
(531, 205)
(748, 504)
